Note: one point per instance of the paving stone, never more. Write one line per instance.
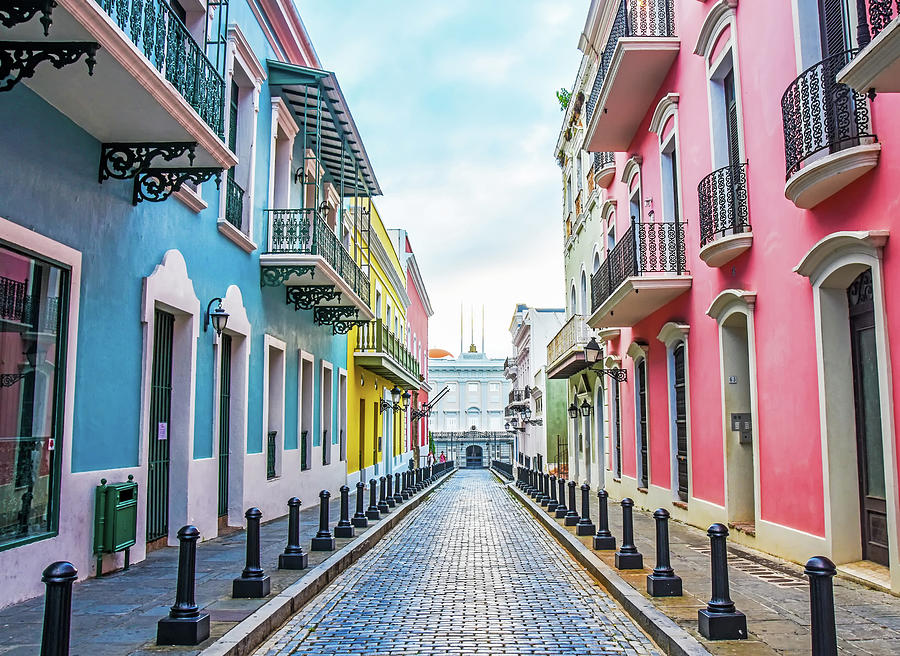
(469, 572)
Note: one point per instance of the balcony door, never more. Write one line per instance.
(836, 36)
(867, 401)
(160, 417)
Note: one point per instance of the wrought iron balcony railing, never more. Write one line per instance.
(234, 202)
(574, 334)
(270, 454)
(723, 203)
(304, 232)
(642, 18)
(819, 114)
(519, 395)
(375, 337)
(876, 17)
(602, 160)
(13, 299)
(154, 28)
(655, 247)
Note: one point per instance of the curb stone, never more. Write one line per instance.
(252, 632)
(670, 637)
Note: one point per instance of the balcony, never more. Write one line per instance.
(724, 218)
(604, 168)
(134, 78)
(876, 67)
(645, 271)
(510, 368)
(828, 140)
(639, 52)
(519, 396)
(565, 352)
(304, 255)
(379, 351)
(234, 202)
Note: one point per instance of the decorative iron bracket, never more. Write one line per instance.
(22, 11)
(8, 380)
(306, 297)
(156, 185)
(20, 59)
(341, 317)
(125, 160)
(273, 276)
(620, 375)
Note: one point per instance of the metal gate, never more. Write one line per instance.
(158, 431)
(224, 422)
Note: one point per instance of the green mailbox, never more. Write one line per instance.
(115, 519)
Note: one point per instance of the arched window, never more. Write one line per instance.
(596, 266)
(584, 297)
(573, 306)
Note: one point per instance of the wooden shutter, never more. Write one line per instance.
(834, 21)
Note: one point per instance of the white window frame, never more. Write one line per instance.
(305, 397)
(276, 421)
(640, 353)
(326, 409)
(244, 68)
(671, 335)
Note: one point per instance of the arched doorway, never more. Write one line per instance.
(474, 456)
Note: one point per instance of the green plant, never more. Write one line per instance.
(563, 96)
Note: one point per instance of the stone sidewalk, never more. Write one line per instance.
(117, 614)
(774, 594)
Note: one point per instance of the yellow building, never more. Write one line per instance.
(379, 363)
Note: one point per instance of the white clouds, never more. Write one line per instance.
(455, 102)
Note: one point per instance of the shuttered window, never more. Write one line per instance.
(680, 384)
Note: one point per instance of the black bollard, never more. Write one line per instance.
(185, 625)
(344, 528)
(324, 540)
(383, 507)
(372, 511)
(628, 557)
(253, 582)
(663, 582)
(535, 489)
(603, 539)
(545, 501)
(398, 497)
(720, 620)
(418, 483)
(572, 515)
(552, 503)
(541, 489)
(389, 497)
(585, 526)
(58, 579)
(359, 517)
(821, 571)
(407, 492)
(561, 509)
(293, 556)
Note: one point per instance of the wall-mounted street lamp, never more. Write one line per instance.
(592, 352)
(394, 404)
(586, 408)
(573, 410)
(218, 317)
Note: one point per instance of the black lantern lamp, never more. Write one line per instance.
(218, 317)
(406, 396)
(527, 412)
(573, 410)
(592, 353)
(507, 427)
(586, 408)
(395, 396)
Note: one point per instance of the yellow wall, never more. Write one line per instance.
(362, 384)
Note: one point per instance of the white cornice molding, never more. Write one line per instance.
(719, 14)
(631, 166)
(667, 107)
(244, 52)
(419, 282)
(283, 118)
(729, 298)
(870, 242)
(672, 332)
(637, 350)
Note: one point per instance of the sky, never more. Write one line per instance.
(456, 105)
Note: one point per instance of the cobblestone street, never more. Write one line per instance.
(470, 572)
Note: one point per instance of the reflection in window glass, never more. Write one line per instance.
(31, 340)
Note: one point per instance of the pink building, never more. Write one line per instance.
(733, 204)
(417, 316)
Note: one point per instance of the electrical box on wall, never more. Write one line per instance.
(741, 423)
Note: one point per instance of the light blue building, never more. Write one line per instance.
(109, 368)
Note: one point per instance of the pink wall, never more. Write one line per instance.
(418, 323)
(788, 434)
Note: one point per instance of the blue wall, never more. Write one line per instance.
(48, 183)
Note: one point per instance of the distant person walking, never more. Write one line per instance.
(430, 459)
(443, 458)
